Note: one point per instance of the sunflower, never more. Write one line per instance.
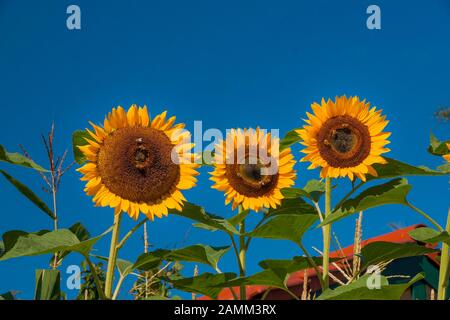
(345, 138)
(135, 164)
(447, 156)
(250, 170)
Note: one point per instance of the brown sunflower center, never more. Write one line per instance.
(135, 163)
(344, 141)
(249, 179)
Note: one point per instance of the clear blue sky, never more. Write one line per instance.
(229, 64)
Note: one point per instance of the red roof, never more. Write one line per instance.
(295, 281)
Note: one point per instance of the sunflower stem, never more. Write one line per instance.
(326, 235)
(444, 268)
(112, 256)
(242, 253)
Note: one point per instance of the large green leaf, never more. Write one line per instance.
(285, 227)
(18, 159)
(359, 290)
(438, 148)
(80, 232)
(205, 220)
(289, 139)
(292, 206)
(32, 244)
(195, 253)
(271, 278)
(79, 139)
(207, 284)
(10, 237)
(395, 168)
(391, 192)
(381, 251)
(313, 190)
(48, 285)
(30, 195)
(295, 264)
(429, 235)
(145, 261)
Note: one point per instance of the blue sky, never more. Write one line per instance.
(228, 64)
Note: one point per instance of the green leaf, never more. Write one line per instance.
(18, 159)
(7, 296)
(195, 253)
(438, 148)
(380, 251)
(236, 219)
(80, 232)
(295, 264)
(206, 220)
(10, 237)
(285, 227)
(32, 244)
(207, 284)
(292, 206)
(271, 278)
(79, 139)
(289, 139)
(23, 189)
(428, 235)
(2, 248)
(359, 290)
(47, 285)
(392, 192)
(395, 168)
(313, 190)
(125, 267)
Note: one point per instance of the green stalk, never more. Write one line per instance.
(112, 256)
(242, 253)
(326, 235)
(426, 216)
(444, 266)
(312, 264)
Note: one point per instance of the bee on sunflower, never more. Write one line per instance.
(130, 165)
(250, 169)
(345, 138)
